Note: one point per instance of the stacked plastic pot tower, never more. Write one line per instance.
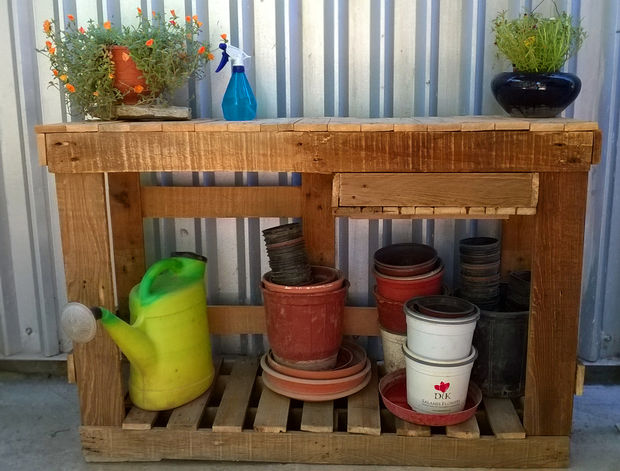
(402, 271)
(439, 354)
(304, 308)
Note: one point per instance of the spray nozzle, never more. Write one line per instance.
(235, 54)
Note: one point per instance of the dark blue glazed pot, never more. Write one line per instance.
(535, 95)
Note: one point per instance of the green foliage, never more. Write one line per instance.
(166, 51)
(537, 44)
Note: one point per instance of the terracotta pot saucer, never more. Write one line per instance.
(313, 389)
(351, 359)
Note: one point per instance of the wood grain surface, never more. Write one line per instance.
(127, 235)
(320, 152)
(555, 299)
(105, 443)
(86, 250)
(506, 190)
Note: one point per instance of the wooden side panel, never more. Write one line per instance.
(41, 149)
(580, 378)
(230, 320)
(214, 202)
(114, 444)
(597, 148)
(437, 189)
(127, 234)
(318, 222)
(319, 152)
(555, 294)
(363, 413)
(86, 251)
(231, 413)
(318, 417)
(517, 240)
(70, 368)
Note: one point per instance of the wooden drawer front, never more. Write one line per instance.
(464, 190)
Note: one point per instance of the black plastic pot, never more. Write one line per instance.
(441, 306)
(501, 340)
(479, 246)
(535, 95)
(282, 233)
(286, 250)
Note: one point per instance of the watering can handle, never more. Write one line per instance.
(144, 290)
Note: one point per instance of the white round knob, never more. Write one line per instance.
(78, 322)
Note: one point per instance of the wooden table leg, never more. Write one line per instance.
(555, 294)
(318, 221)
(88, 271)
(127, 234)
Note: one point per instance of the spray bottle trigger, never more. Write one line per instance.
(224, 59)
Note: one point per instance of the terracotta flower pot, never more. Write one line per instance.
(324, 279)
(128, 79)
(305, 330)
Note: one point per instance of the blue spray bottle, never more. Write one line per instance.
(239, 103)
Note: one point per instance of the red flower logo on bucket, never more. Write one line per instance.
(443, 387)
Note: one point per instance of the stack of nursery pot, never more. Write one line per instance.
(501, 340)
(402, 271)
(480, 276)
(304, 304)
(287, 255)
(438, 353)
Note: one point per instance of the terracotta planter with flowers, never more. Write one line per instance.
(100, 65)
(128, 79)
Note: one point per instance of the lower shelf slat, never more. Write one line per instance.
(232, 421)
(114, 444)
(318, 417)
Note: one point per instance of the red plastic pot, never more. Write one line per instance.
(408, 259)
(404, 288)
(393, 390)
(391, 314)
(305, 330)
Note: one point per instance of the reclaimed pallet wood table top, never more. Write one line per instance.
(322, 145)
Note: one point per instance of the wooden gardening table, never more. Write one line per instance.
(533, 174)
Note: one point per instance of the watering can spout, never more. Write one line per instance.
(133, 342)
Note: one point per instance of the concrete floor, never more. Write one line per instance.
(39, 431)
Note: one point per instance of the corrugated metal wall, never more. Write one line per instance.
(363, 58)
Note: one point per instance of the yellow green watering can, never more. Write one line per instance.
(167, 343)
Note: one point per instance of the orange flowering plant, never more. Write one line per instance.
(165, 49)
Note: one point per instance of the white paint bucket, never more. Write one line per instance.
(439, 338)
(393, 356)
(437, 387)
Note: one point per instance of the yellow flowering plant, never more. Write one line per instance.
(166, 51)
(533, 43)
